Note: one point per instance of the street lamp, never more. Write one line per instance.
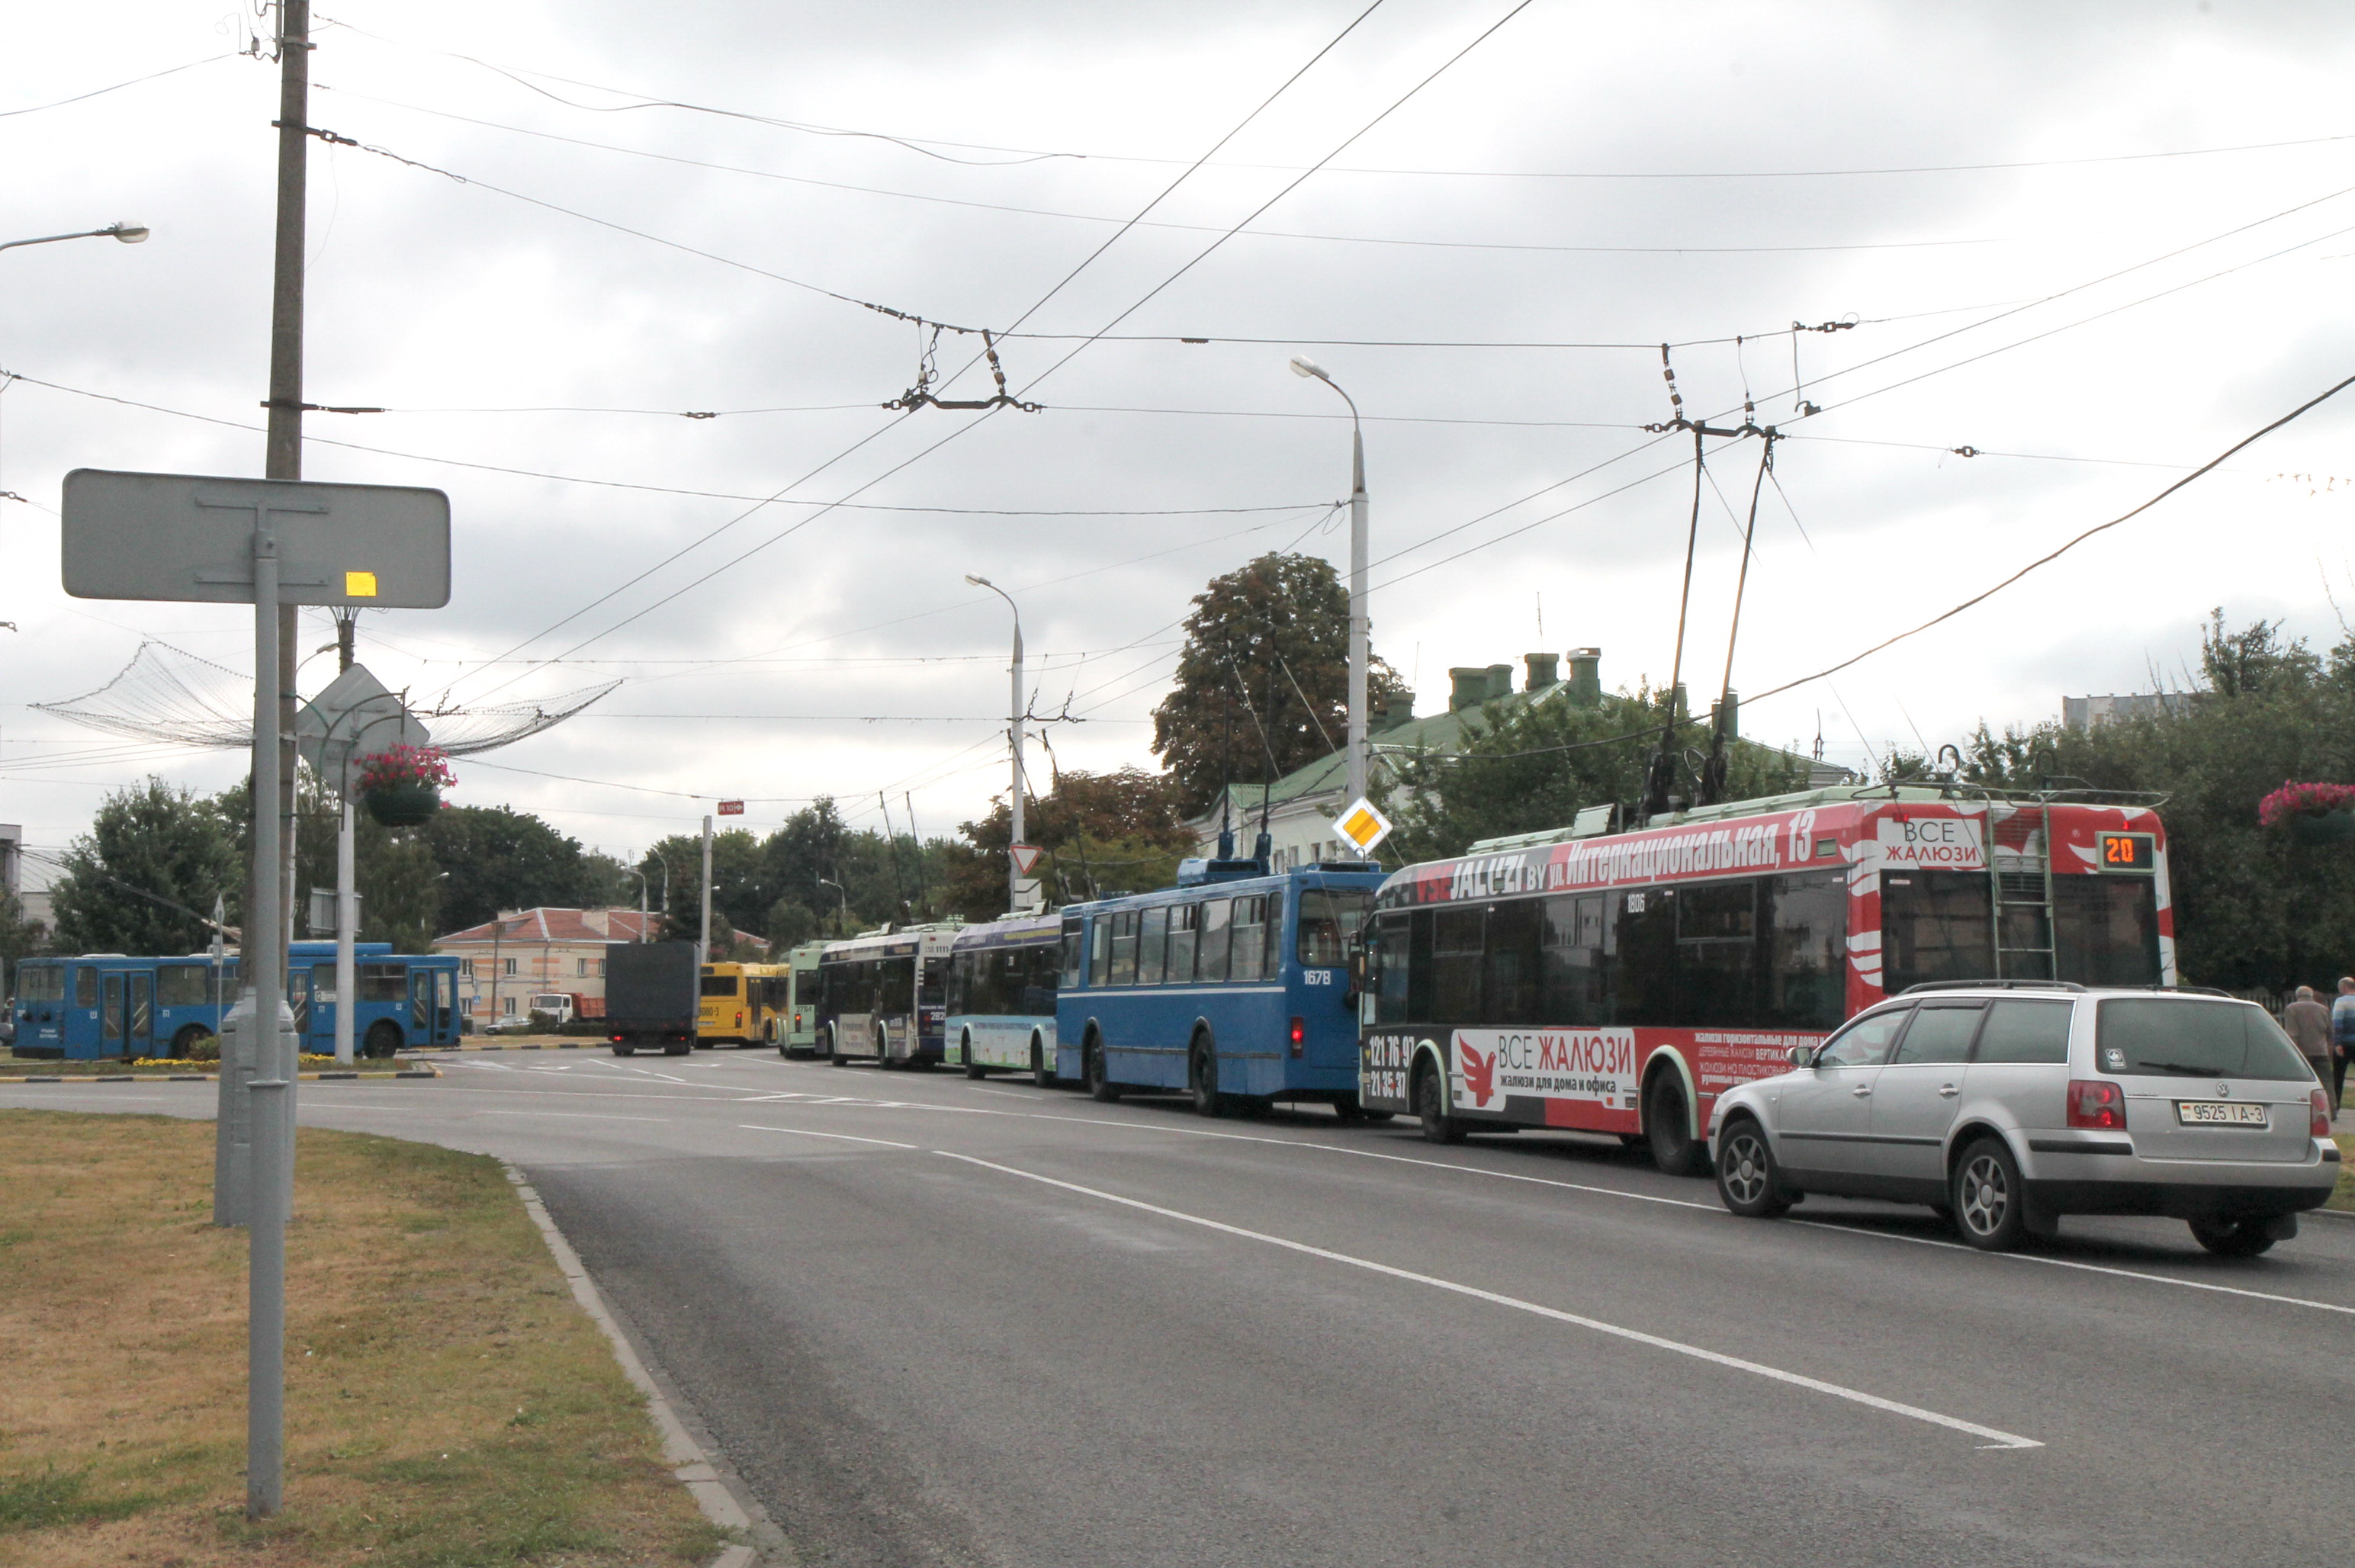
(1014, 741)
(1311, 370)
(842, 921)
(129, 233)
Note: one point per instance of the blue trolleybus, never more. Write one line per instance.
(106, 1005)
(1231, 987)
(1002, 996)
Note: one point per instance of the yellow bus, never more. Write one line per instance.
(739, 1001)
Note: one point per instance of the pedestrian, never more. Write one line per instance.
(2342, 1040)
(2309, 1022)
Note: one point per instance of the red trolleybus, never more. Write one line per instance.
(1619, 982)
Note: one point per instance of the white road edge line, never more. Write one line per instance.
(1997, 1438)
(575, 1115)
(805, 1133)
(2071, 1263)
(685, 1457)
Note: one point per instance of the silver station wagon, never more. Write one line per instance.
(2005, 1106)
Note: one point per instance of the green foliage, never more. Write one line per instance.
(1100, 831)
(1265, 668)
(2253, 910)
(759, 883)
(1528, 767)
(790, 924)
(494, 858)
(19, 938)
(394, 871)
(152, 847)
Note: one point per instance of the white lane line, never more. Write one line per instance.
(1997, 1438)
(574, 1116)
(2071, 1263)
(805, 1133)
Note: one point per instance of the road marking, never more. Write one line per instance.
(1997, 1437)
(805, 1133)
(574, 1116)
(2071, 1263)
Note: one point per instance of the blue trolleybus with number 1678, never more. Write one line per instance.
(1233, 986)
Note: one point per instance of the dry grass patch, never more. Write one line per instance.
(447, 1402)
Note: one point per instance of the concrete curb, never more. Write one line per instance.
(423, 1070)
(686, 1458)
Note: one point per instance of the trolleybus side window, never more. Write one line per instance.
(1185, 928)
(931, 973)
(85, 988)
(1392, 931)
(1936, 925)
(42, 983)
(1124, 947)
(383, 982)
(1576, 961)
(184, 985)
(1153, 933)
(1074, 936)
(1456, 944)
(1516, 931)
(1099, 950)
(2105, 930)
(1210, 945)
(1247, 957)
(1806, 953)
(1329, 919)
(1272, 964)
(1717, 951)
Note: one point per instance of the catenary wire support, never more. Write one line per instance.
(1799, 404)
(921, 395)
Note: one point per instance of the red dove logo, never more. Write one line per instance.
(1479, 1073)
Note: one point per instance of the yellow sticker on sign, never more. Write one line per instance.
(359, 585)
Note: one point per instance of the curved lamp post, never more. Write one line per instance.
(1314, 371)
(129, 233)
(1014, 740)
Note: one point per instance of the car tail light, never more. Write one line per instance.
(1299, 1035)
(616, 1040)
(2097, 1103)
(2321, 1104)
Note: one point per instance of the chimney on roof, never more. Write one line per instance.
(1500, 681)
(1393, 712)
(1585, 678)
(511, 914)
(1467, 686)
(1542, 668)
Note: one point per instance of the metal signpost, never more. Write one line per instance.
(354, 718)
(270, 543)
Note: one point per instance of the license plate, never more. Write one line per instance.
(2219, 1114)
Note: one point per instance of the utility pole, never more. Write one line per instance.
(703, 944)
(1014, 877)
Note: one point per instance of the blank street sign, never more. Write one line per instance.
(189, 536)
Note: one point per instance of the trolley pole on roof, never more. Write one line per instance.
(1014, 877)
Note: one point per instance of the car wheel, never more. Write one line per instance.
(1091, 1069)
(1989, 1204)
(1042, 1071)
(1203, 1079)
(383, 1038)
(1667, 1127)
(2232, 1239)
(1431, 1107)
(972, 1069)
(1746, 1178)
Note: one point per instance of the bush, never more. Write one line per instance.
(205, 1048)
(542, 1023)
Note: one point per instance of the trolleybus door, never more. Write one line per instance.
(421, 1007)
(138, 1021)
(110, 1015)
(445, 1005)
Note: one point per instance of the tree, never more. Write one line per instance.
(394, 873)
(740, 892)
(494, 858)
(2253, 910)
(1264, 679)
(19, 938)
(1119, 830)
(790, 923)
(1523, 768)
(154, 859)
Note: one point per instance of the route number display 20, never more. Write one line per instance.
(2124, 851)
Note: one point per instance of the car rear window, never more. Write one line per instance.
(2025, 1032)
(2195, 1040)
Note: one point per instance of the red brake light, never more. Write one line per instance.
(1299, 1035)
(2097, 1103)
(2321, 1104)
(616, 1040)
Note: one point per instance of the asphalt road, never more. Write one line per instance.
(934, 1322)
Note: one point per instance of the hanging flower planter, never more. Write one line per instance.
(2313, 813)
(402, 787)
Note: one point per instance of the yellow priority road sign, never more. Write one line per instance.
(1362, 826)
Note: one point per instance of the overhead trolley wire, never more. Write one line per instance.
(102, 91)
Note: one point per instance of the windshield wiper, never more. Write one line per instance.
(2188, 1070)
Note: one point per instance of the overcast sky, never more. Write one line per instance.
(1982, 190)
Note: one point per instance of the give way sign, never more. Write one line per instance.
(1025, 856)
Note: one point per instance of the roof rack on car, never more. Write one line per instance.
(1992, 985)
(2198, 991)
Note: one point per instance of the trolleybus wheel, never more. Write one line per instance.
(882, 1050)
(1092, 1071)
(1203, 1077)
(1670, 1127)
(1042, 1071)
(1431, 1106)
(383, 1038)
(186, 1040)
(972, 1069)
